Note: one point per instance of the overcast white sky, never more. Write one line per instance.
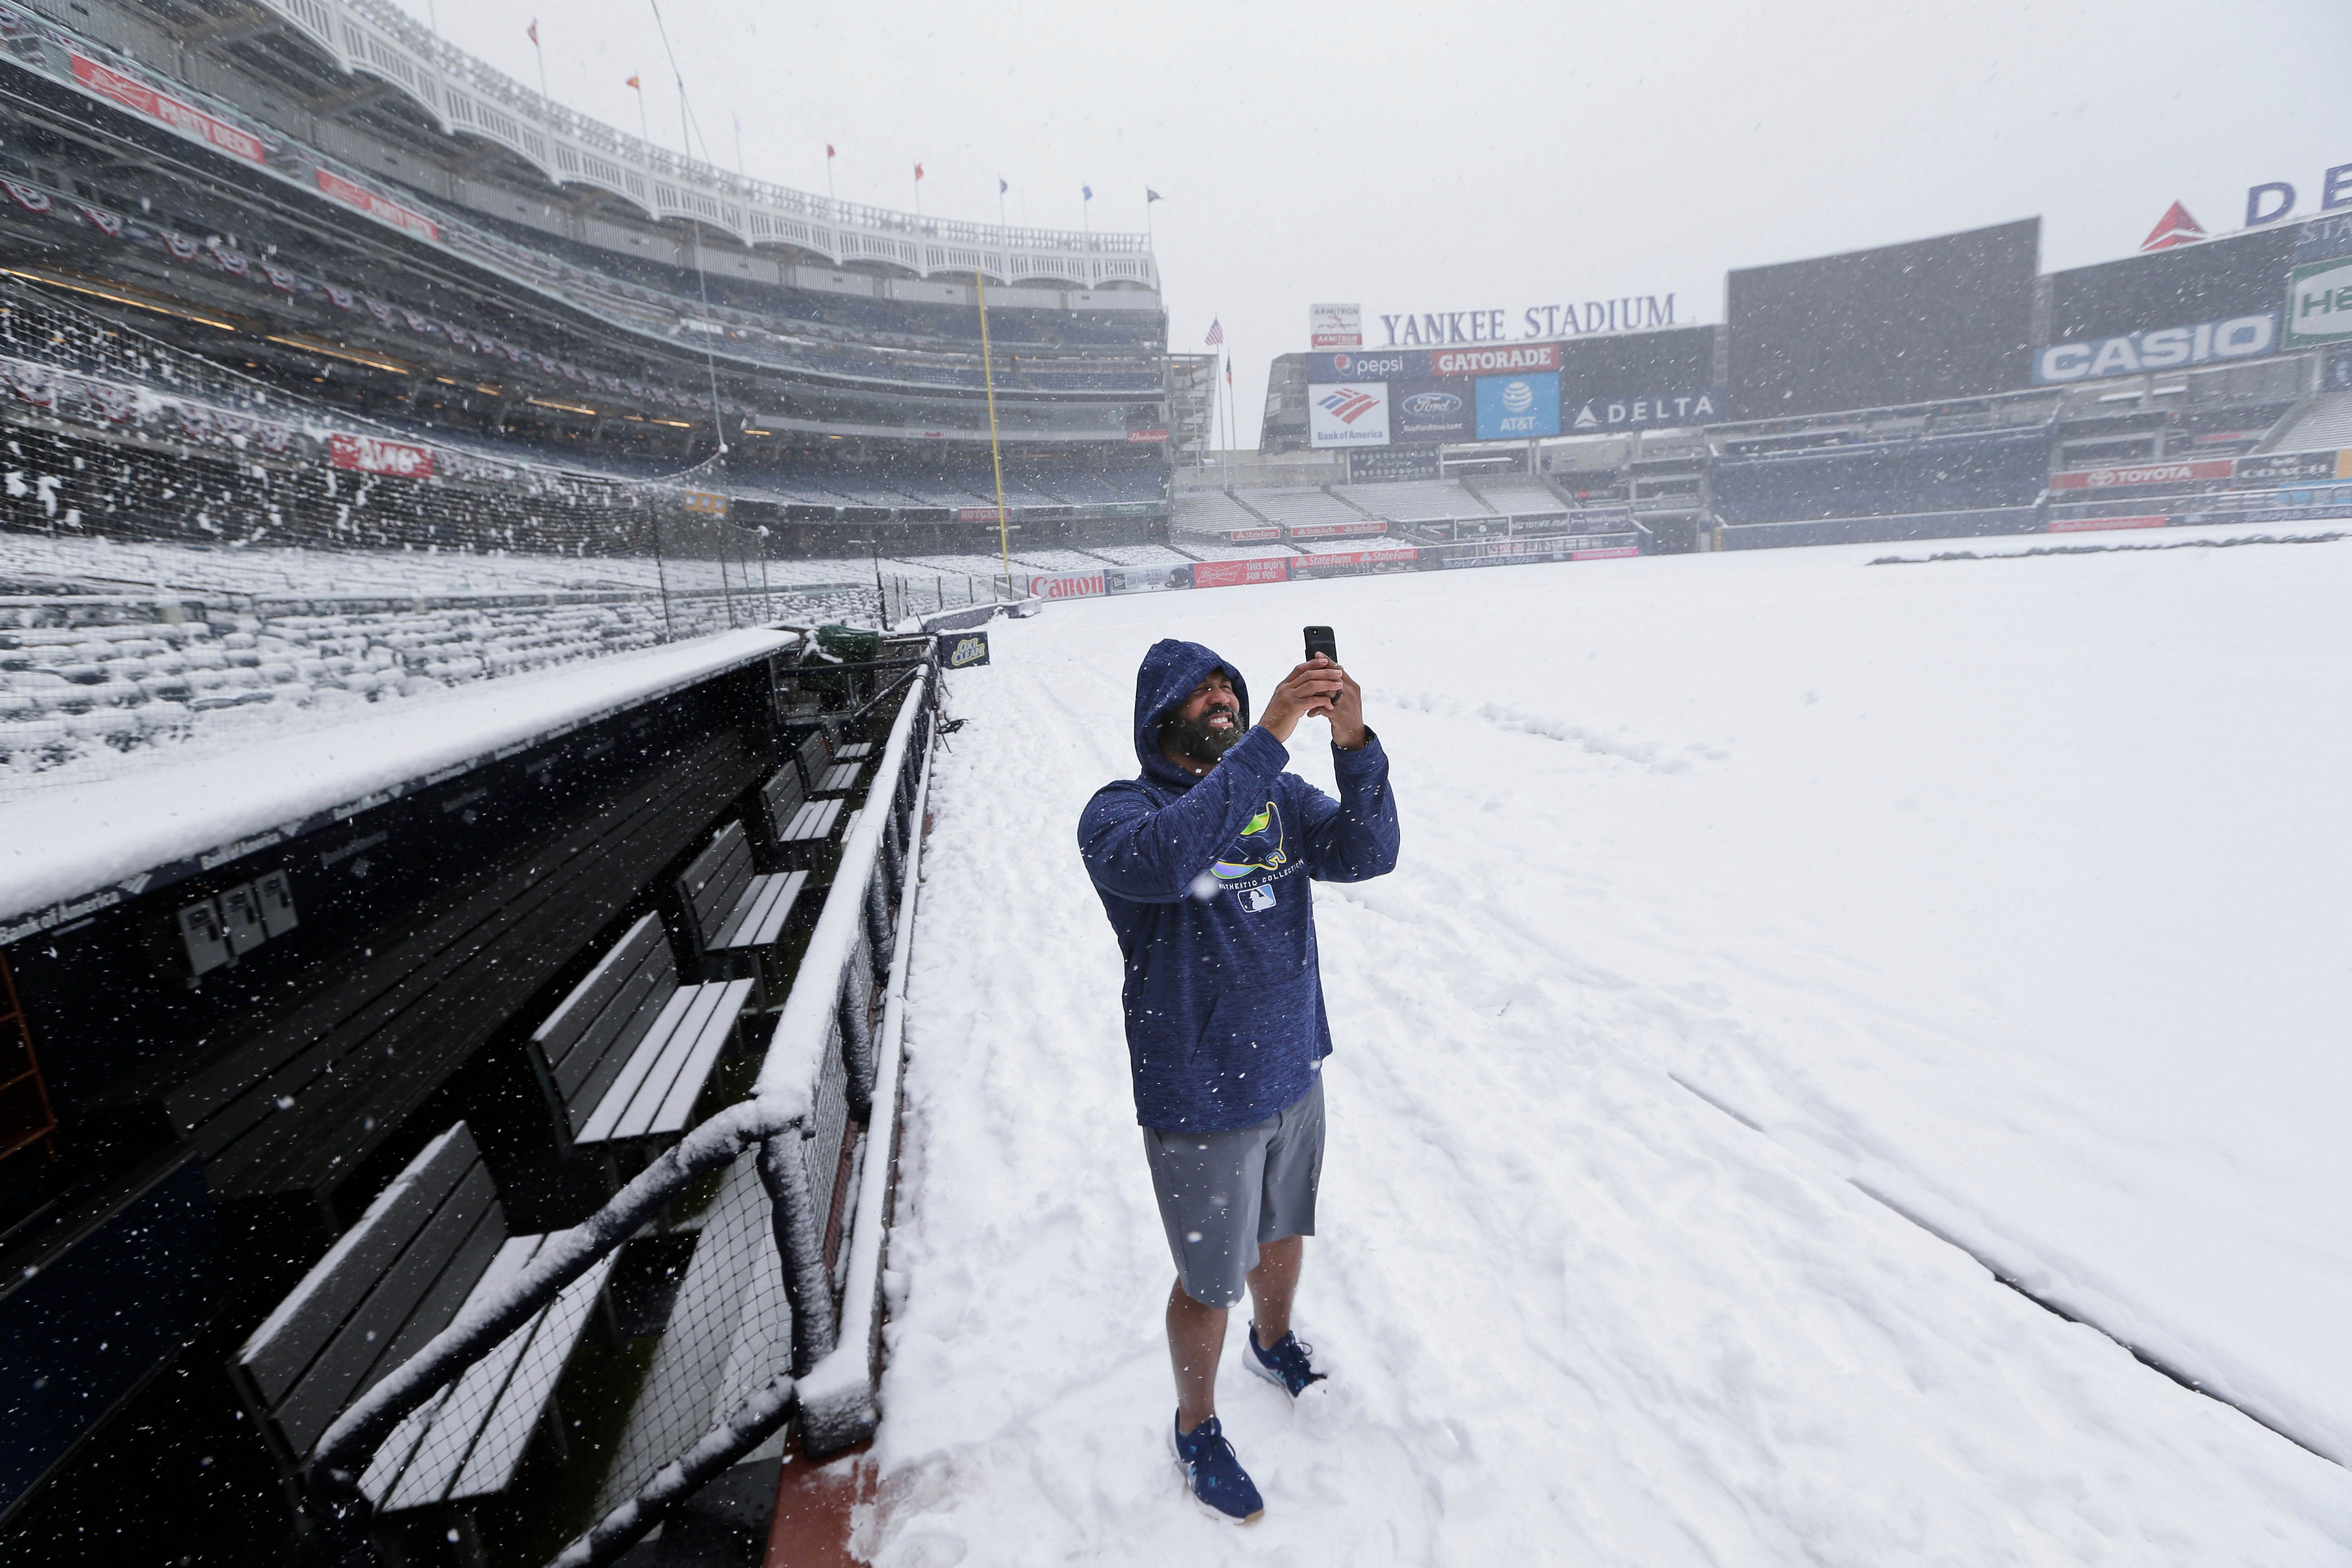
(1472, 156)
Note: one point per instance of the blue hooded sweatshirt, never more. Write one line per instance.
(1202, 881)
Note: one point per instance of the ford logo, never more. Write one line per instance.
(1432, 405)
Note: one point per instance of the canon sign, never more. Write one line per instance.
(2162, 348)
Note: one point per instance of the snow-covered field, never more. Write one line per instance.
(1736, 890)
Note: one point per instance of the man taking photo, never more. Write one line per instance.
(1199, 862)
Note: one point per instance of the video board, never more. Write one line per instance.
(1947, 316)
(2215, 281)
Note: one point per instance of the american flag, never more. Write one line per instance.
(1217, 333)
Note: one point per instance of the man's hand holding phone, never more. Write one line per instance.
(1318, 689)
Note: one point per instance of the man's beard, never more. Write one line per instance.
(1195, 741)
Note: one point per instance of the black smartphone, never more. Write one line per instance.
(1319, 640)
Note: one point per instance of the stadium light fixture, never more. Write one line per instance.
(673, 424)
(118, 299)
(566, 407)
(308, 346)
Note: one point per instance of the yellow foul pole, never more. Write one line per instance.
(995, 454)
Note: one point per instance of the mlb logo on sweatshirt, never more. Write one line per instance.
(1256, 899)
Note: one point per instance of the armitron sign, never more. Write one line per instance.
(1336, 326)
(368, 455)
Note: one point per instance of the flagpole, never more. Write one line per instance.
(538, 50)
(995, 453)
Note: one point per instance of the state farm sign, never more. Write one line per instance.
(367, 455)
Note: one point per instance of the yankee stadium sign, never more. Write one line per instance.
(1432, 328)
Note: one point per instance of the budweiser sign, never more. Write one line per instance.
(185, 118)
(381, 208)
(1236, 573)
(367, 455)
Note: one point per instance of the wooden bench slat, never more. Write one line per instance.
(855, 752)
(492, 1466)
(713, 883)
(653, 976)
(780, 797)
(471, 1440)
(815, 820)
(759, 918)
(670, 1114)
(839, 780)
(444, 1431)
(710, 1014)
(587, 1081)
(274, 1355)
(414, 1300)
(579, 1009)
(598, 1123)
(810, 755)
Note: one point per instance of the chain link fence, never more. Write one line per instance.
(911, 595)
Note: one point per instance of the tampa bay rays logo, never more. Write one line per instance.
(1259, 848)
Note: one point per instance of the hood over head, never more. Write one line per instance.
(1166, 678)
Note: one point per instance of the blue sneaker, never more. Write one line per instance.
(1218, 1481)
(1289, 1362)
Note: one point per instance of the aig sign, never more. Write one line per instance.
(2163, 349)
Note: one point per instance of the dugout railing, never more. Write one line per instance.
(788, 1191)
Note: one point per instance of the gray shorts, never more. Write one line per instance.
(1224, 1195)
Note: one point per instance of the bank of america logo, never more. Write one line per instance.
(1346, 405)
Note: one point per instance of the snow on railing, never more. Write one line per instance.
(823, 1047)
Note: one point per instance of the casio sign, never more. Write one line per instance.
(1433, 405)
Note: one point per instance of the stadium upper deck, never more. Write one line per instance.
(443, 248)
